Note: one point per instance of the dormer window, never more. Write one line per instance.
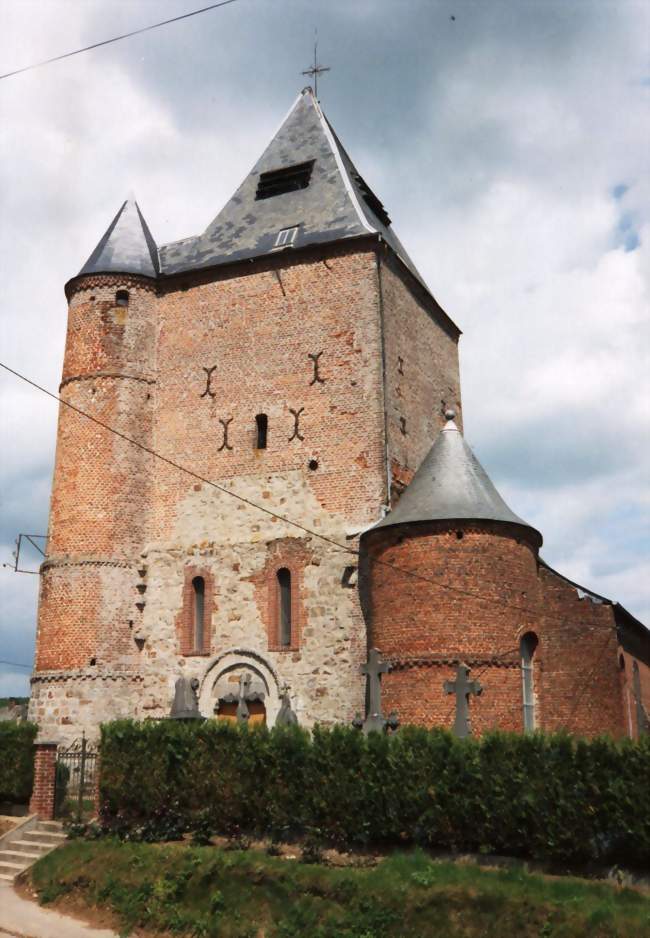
(286, 237)
(288, 179)
(372, 201)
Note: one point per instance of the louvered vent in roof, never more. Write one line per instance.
(278, 181)
(372, 201)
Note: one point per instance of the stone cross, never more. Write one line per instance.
(243, 697)
(186, 704)
(462, 688)
(375, 720)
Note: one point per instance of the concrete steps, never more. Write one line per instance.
(28, 843)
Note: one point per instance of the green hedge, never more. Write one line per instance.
(546, 797)
(16, 760)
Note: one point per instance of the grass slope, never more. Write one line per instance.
(207, 892)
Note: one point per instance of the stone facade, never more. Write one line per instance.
(128, 532)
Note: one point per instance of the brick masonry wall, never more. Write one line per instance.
(43, 792)
(422, 378)
(581, 684)
(100, 501)
(636, 694)
(491, 592)
(174, 370)
(257, 332)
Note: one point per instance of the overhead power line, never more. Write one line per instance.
(107, 42)
(16, 664)
(273, 514)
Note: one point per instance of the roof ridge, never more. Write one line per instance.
(333, 141)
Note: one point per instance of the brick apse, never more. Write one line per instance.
(291, 357)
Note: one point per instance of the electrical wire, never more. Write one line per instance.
(107, 42)
(273, 514)
(16, 664)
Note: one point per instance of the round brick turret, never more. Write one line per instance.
(471, 593)
(89, 578)
(93, 588)
(453, 576)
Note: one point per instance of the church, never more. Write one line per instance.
(261, 479)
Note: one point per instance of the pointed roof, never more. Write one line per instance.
(126, 248)
(336, 204)
(452, 485)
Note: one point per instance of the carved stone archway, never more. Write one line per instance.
(223, 672)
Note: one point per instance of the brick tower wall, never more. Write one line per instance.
(421, 371)
(186, 370)
(256, 328)
(99, 504)
(487, 593)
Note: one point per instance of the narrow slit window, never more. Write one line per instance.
(198, 590)
(287, 179)
(284, 607)
(262, 427)
(122, 298)
(527, 648)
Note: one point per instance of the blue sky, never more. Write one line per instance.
(508, 145)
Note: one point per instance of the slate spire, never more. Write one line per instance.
(304, 180)
(452, 485)
(127, 246)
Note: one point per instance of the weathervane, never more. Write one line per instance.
(315, 70)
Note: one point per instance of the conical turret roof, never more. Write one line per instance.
(324, 200)
(451, 485)
(127, 247)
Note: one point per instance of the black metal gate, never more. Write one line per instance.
(76, 769)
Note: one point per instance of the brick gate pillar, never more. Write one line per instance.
(42, 800)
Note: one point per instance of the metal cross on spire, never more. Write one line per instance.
(315, 70)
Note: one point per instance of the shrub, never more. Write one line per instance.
(16, 761)
(554, 798)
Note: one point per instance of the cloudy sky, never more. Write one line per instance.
(507, 138)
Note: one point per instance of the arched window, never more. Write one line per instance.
(284, 607)
(122, 298)
(527, 647)
(262, 424)
(198, 617)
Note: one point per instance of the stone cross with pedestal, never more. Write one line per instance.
(375, 721)
(462, 688)
(243, 697)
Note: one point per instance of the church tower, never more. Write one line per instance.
(290, 358)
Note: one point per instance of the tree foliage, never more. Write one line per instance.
(16, 760)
